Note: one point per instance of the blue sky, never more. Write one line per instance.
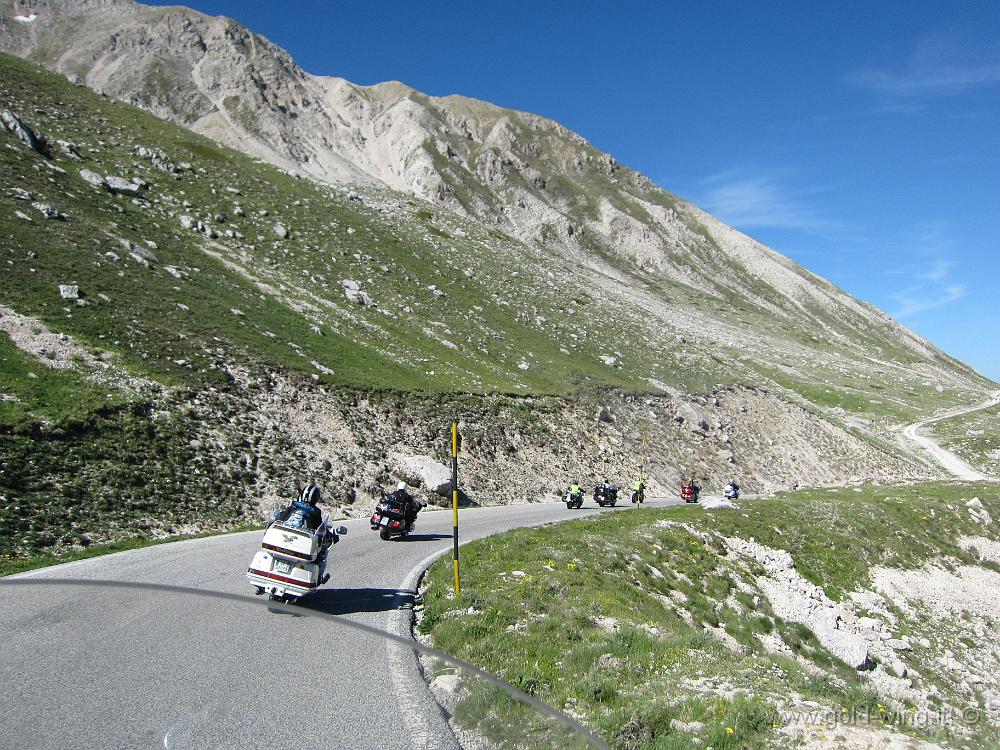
(860, 139)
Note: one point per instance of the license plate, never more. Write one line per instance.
(282, 567)
(384, 522)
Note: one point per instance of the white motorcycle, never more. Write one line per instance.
(292, 561)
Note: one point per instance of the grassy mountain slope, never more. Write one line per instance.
(214, 355)
(608, 236)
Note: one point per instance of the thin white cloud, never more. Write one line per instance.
(940, 66)
(920, 299)
(746, 201)
(937, 271)
(931, 285)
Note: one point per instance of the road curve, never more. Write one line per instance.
(952, 464)
(123, 669)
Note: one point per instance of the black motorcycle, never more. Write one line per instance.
(389, 519)
(605, 496)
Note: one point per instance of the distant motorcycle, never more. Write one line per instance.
(689, 492)
(606, 496)
(731, 492)
(389, 519)
(292, 560)
(574, 499)
(639, 496)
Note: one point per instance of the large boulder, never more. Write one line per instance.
(978, 512)
(435, 477)
(70, 150)
(121, 186)
(848, 647)
(354, 293)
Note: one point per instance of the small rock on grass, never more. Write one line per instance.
(24, 133)
(92, 178)
(447, 683)
(690, 727)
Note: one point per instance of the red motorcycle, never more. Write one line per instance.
(689, 492)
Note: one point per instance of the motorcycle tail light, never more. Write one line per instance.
(396, 523)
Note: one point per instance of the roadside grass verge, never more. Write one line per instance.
(631, 620)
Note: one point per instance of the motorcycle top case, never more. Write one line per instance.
(298, 544)
(271, 572)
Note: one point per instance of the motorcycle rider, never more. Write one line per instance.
(639, 491)
(607, 490)
(575, 489)
(409, 504)
(303, 514)
(732, 489)
(690, 489)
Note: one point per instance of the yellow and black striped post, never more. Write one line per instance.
(642, 469)
(454, 504)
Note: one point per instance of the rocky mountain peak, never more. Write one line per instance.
(517, 172)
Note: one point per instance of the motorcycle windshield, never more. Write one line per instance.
(117, 664)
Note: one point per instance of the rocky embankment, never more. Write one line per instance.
(528, 449)
(220, 455)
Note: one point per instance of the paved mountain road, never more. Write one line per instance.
(114, 668)
(954, 465)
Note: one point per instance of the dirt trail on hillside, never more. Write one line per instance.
(951, 463)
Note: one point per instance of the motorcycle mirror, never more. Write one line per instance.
(340, 530)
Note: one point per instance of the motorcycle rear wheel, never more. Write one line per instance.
(384, 535)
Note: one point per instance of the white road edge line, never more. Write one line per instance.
(423, 716)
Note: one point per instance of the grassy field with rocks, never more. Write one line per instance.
(738, 627)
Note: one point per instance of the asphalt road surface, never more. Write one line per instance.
(112, 668)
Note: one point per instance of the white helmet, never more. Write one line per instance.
(401, 486)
